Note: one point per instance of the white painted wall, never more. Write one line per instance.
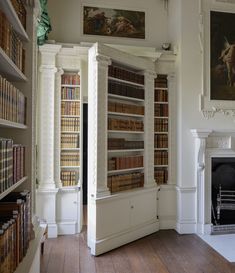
(66, 18)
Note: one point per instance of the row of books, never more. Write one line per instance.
(124, 182)
(69, 178)
(71, 79)
(15, 229)
(121, 89)
(11, 43)
(70, 93)
(12, 102)
(161, 81)
(70, 124)
(12, 161)
(70, 158)
(125, 124)
(128, 162)
(69, 141)
(70, 108)
(161, 175)
(125, 108)
(20, 11)
(122, 143)
(161, 125)
(160, 141)
(161, 110)
(161, 96)
(161, 158)
(124, 74)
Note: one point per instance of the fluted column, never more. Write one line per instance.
(46, 98)
(97, 125)
(57, 136)
(46, 193)
(149, 129)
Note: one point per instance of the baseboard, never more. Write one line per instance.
(109, 243)
(186, 227)
(52, 230)
(67, 228)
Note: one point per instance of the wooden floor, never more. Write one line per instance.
(161, 252)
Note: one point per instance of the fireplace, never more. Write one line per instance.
(215, 181)
(223, 191)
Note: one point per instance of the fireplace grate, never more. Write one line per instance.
(222, 229)
(225, 201)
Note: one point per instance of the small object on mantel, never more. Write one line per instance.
(166, 46)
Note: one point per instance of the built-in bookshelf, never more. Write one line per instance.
(125, 128)
(17, 169)
(161, 125)
(70, 155)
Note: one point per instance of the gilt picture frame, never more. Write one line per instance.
(113, 22)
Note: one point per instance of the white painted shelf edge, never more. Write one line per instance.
(13, 187)
(125, 170)
(67, 100)
(160, 88)
(125, 114)
(125, 132)
(161, 102)
(160, 166)
(125, 150)
(126, 82)
(11, 124)
(10, 13)
(70, 85)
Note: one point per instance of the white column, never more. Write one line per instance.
(200, 151)
(57, 125)
(46, 193)
(97, 125)
(149, 129)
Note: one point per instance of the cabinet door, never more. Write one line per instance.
(143, 208)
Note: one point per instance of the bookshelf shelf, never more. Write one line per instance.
(126, 151)
(157, 117)
(161, 149)
(8, 69)
(161, 88)
(70, 149)
(71, 100)
(70, 132)
(125, 170)
(125, 82)
(125, 98)
(70, 85)
(8, 9)
(161, 133)
(125, 132)
(13, 187)
(10, 124)
(70, 167)
(70, 116)
(160, 166)
(125, 114)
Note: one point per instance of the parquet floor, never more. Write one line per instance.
(161, 252)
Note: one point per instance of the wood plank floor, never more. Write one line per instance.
(161, 252)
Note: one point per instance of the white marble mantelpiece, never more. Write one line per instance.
(208, 144)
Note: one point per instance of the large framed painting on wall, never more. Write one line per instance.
(113, 22)
(222, 55)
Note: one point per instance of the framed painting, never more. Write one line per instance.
(113, 22)
(222, 55)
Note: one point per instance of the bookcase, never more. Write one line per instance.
(19, 240)
(71, 109)
(120, 148)
(161, 120)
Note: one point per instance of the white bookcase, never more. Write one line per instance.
(24, 133)
(117, 216)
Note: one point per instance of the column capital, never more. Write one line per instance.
(150, 73)
(103, 60)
